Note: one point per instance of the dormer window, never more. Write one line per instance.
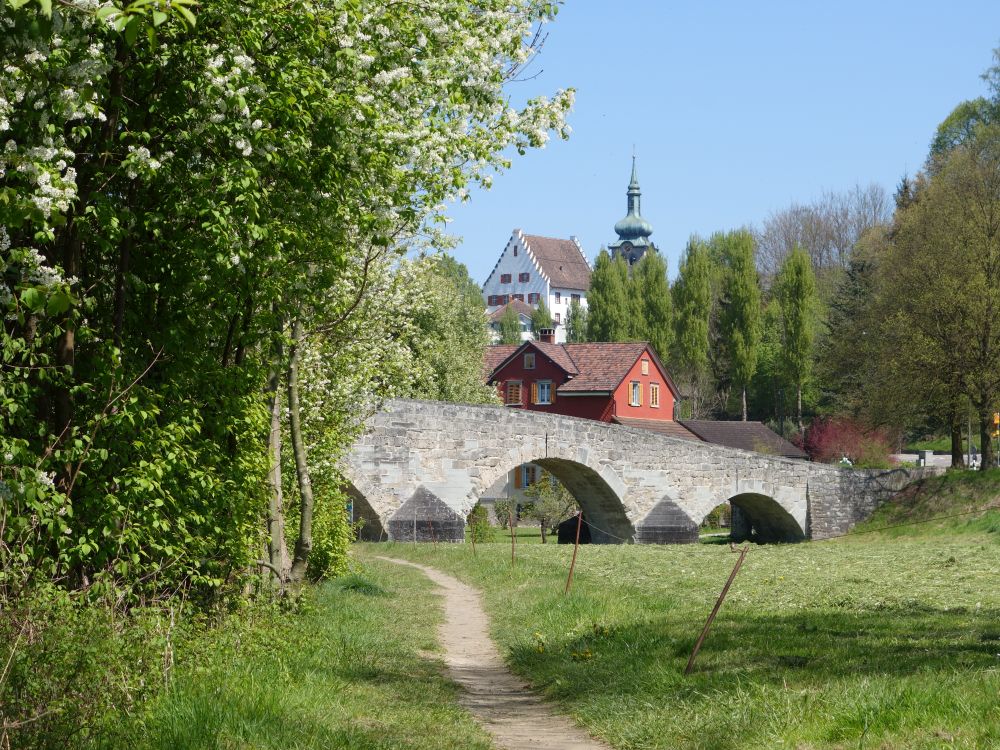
(529, 361)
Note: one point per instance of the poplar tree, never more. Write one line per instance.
(795, 291)
(576, 323)
(741, 320)
(510, 326)
(608, 316)
(540, 318)
(652, 292)
(692, 306)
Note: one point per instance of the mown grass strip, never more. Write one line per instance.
(881, 643)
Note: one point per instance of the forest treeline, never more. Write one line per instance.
(879, 312)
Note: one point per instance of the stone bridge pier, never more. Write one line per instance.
(419, 468)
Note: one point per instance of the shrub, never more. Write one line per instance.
(831, 440)
(479, 525)
(503, 510)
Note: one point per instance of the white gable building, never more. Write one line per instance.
(532, 268)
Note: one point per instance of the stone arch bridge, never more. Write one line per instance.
(419, 467)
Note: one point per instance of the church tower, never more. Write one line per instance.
(633, 231)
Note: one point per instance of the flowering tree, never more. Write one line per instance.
(189, 208)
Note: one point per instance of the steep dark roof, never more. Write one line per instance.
(670, 429)
(748, 436)
(496, 355)
(558, 354)
(521, 308)
(499, 355)
(602, 367)
(561, 260)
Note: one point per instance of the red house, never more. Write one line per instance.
(603, 381)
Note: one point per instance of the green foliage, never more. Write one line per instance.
(576, 323)
(74, 667)
(692, 304)
(480, 528)
(174, 194)
(504, 510)
(740, 322)
(551, 503)
(540, 317)
(650, 289)
(450, 335)
(510, 326)
(608, 301)
(795, 293)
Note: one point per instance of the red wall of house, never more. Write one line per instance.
(544, 370)
(665, 411)
(600, 408)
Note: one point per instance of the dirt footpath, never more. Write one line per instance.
(503, 704)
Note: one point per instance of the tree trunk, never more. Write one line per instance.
(277, 550)
(798, 407)
(985, 440)
(957, 452)
(303, 544)
(743, 393)
(542, 525)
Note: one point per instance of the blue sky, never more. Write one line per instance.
(736, 110)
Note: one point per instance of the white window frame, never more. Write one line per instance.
(644, 366)
(547, 385)
(635, 393)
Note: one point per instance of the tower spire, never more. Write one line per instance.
(634, 193)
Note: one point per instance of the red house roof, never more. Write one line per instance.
(591, 368)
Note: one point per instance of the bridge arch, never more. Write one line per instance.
(760, 518)
(597, 489)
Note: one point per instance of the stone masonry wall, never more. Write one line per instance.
(634, 485)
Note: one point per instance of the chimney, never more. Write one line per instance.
(547, 335)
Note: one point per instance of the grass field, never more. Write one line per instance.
(359, 669)
(884, 639)
(871, 641)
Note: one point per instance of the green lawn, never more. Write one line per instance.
(359, 669)
(868, 641)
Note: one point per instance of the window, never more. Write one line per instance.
(654, 395)
(524, 277)
(635, 394)
(525, 475)
(502, 299)
(574, 297)
(518, 297)
(533, 297)
(558, 298)
(645, 367)
(515, 251)
(505, 278)
(513, 395)
(557, 318)
(529, 361)
(542, 392)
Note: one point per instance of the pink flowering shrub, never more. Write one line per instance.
(831, 440)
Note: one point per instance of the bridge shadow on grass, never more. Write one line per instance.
(808, 648)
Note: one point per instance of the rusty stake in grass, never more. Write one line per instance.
(718, 605)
